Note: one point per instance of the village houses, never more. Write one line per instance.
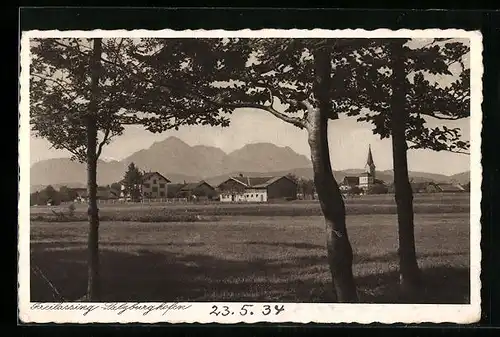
(192, 191)
(153, 186)
(257, 189)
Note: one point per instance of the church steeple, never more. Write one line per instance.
(370, 165)
(369, 161)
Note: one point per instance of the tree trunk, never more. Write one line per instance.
(93, 285)
(409, 271)
(340, 254)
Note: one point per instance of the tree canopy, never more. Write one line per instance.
(277, 76)
(60, 93)
(426, 100)
(165, 83)
(132, 182)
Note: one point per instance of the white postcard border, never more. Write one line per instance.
(294, 312)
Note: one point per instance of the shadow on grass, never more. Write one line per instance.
(296, 245)
(80, 243)
(442, 285)
(393, 256)
(164, 276)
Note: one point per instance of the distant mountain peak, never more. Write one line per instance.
(170, 141)
(173, 157)
(179, 161)
(261, 145)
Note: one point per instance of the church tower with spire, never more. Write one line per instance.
(367, 179)
(370, 165)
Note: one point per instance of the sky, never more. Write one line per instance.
(348, 140)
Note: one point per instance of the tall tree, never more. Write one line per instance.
(401, 90)
(91, 129)
(80, 100)
(241, 73)
(51, 194)
(132, 182)
(320, 79)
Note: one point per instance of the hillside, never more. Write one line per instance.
(174, 156)
(461, 178)
(176, 160)
(386, 176)
(263, 157)
(180, 162)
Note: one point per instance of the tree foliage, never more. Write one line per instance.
(165, 83)
(378, 189)
(116, 187)
(277, 75)
(60, 92)
(355, 190)
(49, 193)
(132, 182)
(85, 89)
(306, 188)
(427, 101)
(67, 194)
(293, 177)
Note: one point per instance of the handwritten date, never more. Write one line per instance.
(247, 309)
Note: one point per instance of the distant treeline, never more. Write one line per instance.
(49, 195)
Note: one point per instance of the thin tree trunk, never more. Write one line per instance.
(409, 271)
(93, 286)
(340, 254)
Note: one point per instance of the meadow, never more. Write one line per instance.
(251, 253)
(163, 212)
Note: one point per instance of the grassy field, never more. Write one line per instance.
(370, 204)
(250, 258)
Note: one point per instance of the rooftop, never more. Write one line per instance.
(257, 182)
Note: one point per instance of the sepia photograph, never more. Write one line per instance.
(250, 176)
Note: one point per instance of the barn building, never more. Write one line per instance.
(192, 191)
(257, 189)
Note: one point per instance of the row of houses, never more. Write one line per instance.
(234, 189)
(422, 187)
(366, 180)
(240, 188)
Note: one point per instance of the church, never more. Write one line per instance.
(365, 180)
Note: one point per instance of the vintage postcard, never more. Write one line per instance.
(211, 176)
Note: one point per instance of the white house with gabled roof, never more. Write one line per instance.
(257, 189)
(153, 186)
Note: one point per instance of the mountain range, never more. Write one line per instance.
(180, 162)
